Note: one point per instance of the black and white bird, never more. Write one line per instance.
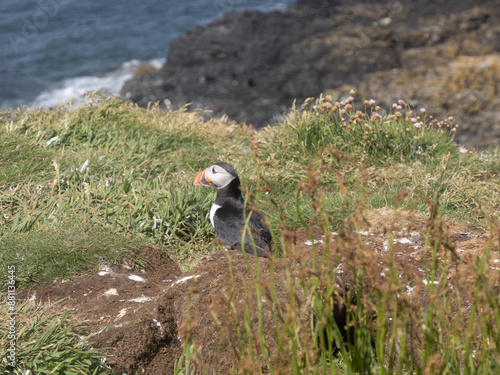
(226, 214)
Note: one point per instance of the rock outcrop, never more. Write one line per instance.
(442, 55)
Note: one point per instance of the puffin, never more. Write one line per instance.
(226, 213)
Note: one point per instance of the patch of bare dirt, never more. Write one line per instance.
(117, 304)
(148, 336)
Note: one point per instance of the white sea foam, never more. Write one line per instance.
(76, 88)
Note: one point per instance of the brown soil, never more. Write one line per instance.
(117, 297)
(148, 336)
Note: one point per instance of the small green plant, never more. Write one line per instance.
(183, 364)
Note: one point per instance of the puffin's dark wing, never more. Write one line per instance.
(261, 234)
(229, 224)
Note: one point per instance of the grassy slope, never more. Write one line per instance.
(118, 177)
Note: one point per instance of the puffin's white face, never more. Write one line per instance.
(218, 176)
(215, 175)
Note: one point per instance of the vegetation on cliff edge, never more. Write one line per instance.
(90, 185)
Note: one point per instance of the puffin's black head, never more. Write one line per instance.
(218, 175)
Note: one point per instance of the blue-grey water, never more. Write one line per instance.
(53, 50)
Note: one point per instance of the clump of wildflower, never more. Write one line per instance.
(350, 99)
(417, 125)
(375, 116)
(413, 119)
(352, 92)
(422, 110)
(327, 105)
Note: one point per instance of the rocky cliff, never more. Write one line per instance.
(443, 55)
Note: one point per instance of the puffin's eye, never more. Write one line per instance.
(213, 170)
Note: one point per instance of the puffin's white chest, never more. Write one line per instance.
(214, 208)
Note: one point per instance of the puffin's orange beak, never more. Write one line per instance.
(202, 179)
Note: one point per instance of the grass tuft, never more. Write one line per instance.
(48, 342)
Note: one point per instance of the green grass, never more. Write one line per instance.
(21, 161)
(395, 156)
(70, 249)
(129, 171)
(138, 174)
(118, 178)
(48, 342)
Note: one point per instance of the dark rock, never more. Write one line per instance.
(252, 66)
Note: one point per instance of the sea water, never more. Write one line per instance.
(54, 50)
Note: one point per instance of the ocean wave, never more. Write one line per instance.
(75, 89)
